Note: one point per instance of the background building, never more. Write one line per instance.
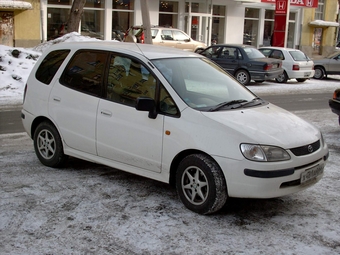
(314, 30)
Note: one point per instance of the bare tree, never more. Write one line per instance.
(75, 15)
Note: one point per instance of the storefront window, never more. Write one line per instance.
(122, 4)
(121, 21)
(252, 13)
(95, 3)
(56, 22)
(251, 24)
(201, 7)
(60, 2)
(217, 29)
(168, 13)
(92, 24)
(168, 6)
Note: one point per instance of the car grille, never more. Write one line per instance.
(307, 149)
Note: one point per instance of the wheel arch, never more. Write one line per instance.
(39, 120)
(179, 157)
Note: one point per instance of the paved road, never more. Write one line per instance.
(10, 120)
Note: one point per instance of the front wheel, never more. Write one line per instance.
(243, 77)
(282, 78)
(48, 145)
(319, 73)
(200, 184)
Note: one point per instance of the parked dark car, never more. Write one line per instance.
(326, 66)
(334, 103)
(245, 62)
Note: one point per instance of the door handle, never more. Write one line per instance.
(57, 99)
(106, 113)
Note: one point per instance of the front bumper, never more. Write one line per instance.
(248, 179)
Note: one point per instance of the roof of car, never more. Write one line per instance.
(278, 48)
(234, 45)
(147, 50)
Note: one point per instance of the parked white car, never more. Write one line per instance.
(296, 64)
(169, 115)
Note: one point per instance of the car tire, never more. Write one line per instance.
(301, 79)
(242, 76)
(282, 78)
(200, 184)
(319, 73)
(48, 145)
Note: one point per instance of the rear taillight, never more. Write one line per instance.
(267, 67)
(296, 67)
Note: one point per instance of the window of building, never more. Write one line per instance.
(251, 24)
(122, 18)
(217, 29)
(85, 72)
(60, 2)
(168, 14)
(92, 24)
(319, 12)
(56, 22)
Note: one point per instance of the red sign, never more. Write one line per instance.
(281, 7)
(302, 3)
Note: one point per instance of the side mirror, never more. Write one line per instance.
(146, 104)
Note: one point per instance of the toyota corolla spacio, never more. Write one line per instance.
(168, 115)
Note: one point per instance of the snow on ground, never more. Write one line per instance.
(86, 208)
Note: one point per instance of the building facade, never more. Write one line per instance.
(20, 23)
(225, 21)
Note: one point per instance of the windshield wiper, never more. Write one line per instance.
(224, 104)
(253, 102)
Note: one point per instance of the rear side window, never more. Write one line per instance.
(50, 65)
(85, 72)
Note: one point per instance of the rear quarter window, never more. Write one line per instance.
(50, 65)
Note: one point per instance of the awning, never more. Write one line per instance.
(322, 23)
(15, 5)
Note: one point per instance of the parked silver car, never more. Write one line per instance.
(326, 66)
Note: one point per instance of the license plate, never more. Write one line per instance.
(307, 74)
(311, 173)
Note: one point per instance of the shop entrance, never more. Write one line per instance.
(200, 28)
(6, 28)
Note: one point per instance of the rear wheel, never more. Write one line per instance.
(282, 78)
(319, 73)
(48, 145)
(200, 184)
(301, 80)
(243, 77)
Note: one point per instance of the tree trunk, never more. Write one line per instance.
(75, 16)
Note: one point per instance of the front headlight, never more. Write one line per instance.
(263, 153)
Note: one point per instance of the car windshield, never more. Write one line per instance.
(253, 52)
(298, 55)
(203, 85)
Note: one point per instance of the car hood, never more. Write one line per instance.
(268, 124)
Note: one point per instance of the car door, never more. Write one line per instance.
(334, 64)
(228, 58)
(125, 135)
(184, 42)
(167, 38)
(74, 99)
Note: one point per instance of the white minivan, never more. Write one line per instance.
(168, 115)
